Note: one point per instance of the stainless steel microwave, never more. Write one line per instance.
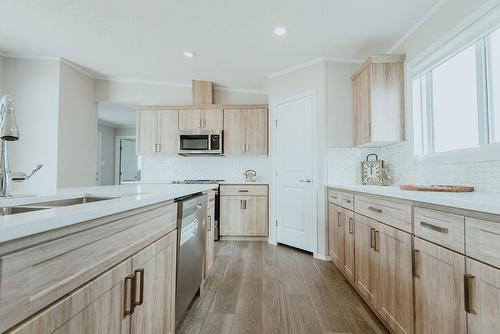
(200, 142)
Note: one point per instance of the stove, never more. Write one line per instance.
(197, 181)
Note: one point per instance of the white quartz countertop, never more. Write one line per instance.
(475, 201)
(125, 197)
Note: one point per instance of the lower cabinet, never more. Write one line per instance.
(245, 214)
(336, 237)
(348, 268)
(367, 258)
(136, 296)
(209, 240)
(482, 302)
(395, 295)
(439, 290)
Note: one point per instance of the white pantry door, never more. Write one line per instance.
(294, 169)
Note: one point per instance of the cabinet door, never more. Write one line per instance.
(234, 132)
(256, 132)
(231, 218)
(439, 290)
(154, 268)
(366, 258)
(96, 308)
(362, 107)
(483, 304)
(189, 119)
(209, 240)
(332, 212)
(395, 298)
(349, 245)
(255, 215)
(212, 119)
(337, 237)
(168, 133)
(147, 132)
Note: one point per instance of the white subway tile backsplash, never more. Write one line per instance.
(343, 167)
(171, 168)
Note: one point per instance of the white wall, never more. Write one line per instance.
(339, 103)
(149, 93)
(77, 129)
(34, 85)
(287, 85)
(2, 76)
(107, 154)
(125, 132)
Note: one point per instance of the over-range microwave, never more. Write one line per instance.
(200, 143)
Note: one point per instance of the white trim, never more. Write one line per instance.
(417, 25)
(77, 68)
(322, 257)
(274, 182)
(98, 157)
(112, 125)
(315, 61)
(241, 90)
(116, 177)
(483, 153)
(475, 26)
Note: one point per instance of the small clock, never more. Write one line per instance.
(371, 170)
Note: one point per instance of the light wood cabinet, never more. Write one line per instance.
(154, 270)
(439, 290)
(348, 268)
(336, 237)
(378, 101)
(395, 292)
(245, 132)
(201, 119)
(244, 215)
(209, 240)
(156, 132)
(367, 258)
(482, 298)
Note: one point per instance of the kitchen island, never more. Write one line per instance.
(106, 265)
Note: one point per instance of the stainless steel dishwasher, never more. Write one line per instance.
(191, 216)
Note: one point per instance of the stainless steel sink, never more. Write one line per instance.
(12, 210)
(72, 201)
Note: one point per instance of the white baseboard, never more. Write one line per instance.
(322, 257)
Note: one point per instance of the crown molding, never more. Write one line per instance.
(77, 68)
(315, 61)
(116, 126)
(417, 25)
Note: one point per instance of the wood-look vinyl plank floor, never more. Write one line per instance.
(255, 287)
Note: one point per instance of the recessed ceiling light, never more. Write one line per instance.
(188, 54)
(279, 31)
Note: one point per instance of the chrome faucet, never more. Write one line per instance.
(9, 132)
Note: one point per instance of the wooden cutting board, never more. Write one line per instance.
(438, 188)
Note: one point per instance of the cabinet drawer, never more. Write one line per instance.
(347, 201)
(391, 213)
(334, 197)
(483, 240)
(243, 190)
(444, 229)
(37, 276)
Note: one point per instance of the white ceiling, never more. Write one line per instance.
(233, 40)
(116, 114)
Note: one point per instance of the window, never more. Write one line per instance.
(457, 103)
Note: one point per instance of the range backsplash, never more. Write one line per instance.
(343, 167)
(170, 168)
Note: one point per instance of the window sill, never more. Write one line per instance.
(489, 152)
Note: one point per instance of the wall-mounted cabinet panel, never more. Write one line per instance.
(245, 132)
(157, 132)
(201, 119)
(378, 93)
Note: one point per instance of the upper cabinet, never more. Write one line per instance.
(200, 119)
(157, 132)
(378, 101)
(245, 131)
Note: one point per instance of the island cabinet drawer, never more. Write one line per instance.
(243, 190)
(347, 201)
(335, 197)
(36, 276)
(482, 241)
(444, 229)
(397, 215)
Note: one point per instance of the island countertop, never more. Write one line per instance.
(124, 198)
